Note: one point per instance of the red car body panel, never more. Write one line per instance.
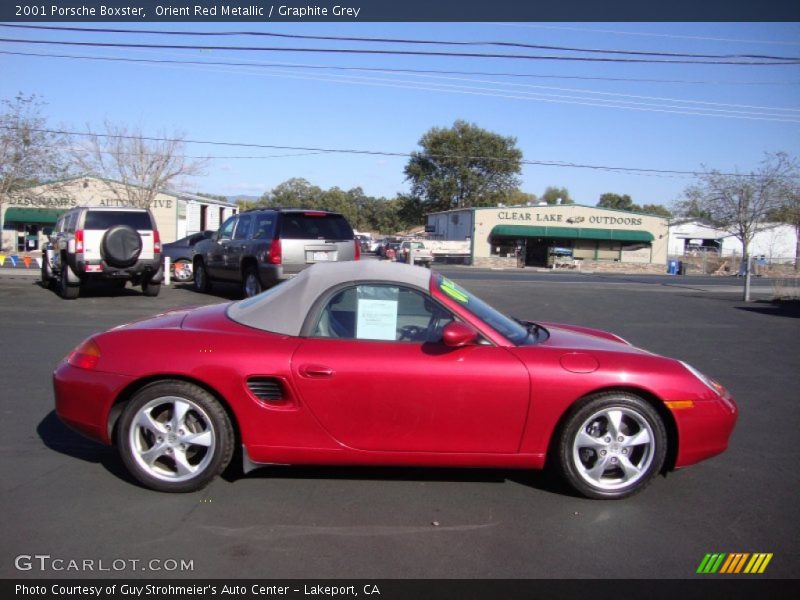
(372, 402)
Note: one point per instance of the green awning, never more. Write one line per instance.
(33, 215)
(572, 233)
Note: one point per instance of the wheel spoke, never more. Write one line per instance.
(145, 421)
(202, 438)
(630, 470)
(179, 410)
(182, 465)
(642, 437)
(596, 472)
(151, 455)
(614, 418)
(584, 440)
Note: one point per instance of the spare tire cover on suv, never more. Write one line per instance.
(121, 246)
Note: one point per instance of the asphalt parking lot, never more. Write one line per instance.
(69, 498)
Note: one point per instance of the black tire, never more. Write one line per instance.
(167, 452)
(202, 283)
(151, 289)
(611, 445)
(121, 246)
(251, 282)
(65, 290)
(47, 272)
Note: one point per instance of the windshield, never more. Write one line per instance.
(517, 332)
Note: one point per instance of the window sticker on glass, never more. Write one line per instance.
(377, 320)
(451, 289)
(376, 316)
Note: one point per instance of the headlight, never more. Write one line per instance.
(710, 383)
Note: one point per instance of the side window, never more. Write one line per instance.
(70, 220)
(59, 225)
(382, 312)
(226, 231)
(265, 226)
(243, 227)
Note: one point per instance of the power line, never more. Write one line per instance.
(396, 41)
(636, 170)
(355, 51)
(395, 70)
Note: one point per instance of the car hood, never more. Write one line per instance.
(574, 337)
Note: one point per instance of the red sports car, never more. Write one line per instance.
(376, 363)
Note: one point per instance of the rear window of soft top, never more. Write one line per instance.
(103, 219)
(315, 226)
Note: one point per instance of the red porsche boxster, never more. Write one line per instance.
(378, 363)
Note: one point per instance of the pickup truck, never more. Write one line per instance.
(422, 256)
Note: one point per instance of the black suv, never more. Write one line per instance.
(261, 247)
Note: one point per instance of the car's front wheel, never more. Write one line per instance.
(201, 281)
(174, 436)
(612, 445)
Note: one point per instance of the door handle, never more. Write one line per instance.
(316, 371)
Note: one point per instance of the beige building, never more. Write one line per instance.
(556, 235)
(28, 215)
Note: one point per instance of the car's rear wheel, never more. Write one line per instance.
(182, 270)
(151, 289)
(612, 445)
(174, 436)
(201, 281)
(67, 291)
(251, 283)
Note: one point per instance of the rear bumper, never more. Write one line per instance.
(142, 270)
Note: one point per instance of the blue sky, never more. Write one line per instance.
(565, 112)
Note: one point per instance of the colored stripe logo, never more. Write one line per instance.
(735, 563)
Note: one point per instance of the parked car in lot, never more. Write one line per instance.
(422, 256)
(114, 245)
(377, 363)
(262, 247)
(180, 254)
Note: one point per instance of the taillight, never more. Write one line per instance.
(156, 242)
(79, 241)
(85, 356)
(357, 255)
(275, 256)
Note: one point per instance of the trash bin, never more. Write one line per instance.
(681, 268)
(672, 267)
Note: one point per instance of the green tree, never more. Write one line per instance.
(463, 166)
(617, 201)
(658, 210)
(552, 195)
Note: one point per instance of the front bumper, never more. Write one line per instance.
(84, 399)
(704, 430)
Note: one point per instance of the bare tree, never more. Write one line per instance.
(30, 153)
(143, 165)
(742, 203)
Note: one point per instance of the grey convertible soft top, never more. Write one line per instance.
(283, 308)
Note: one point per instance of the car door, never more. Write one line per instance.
(215, 256)
(376, 375)
(236, 247)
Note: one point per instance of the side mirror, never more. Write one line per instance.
(458, 334)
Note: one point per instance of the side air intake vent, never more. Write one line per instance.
(267, 389)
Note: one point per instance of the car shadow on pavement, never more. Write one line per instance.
(789, 309)
(60, 438)
(540, 480)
